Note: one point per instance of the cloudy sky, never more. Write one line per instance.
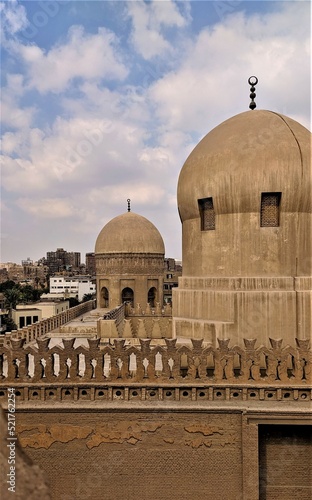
(104, 100)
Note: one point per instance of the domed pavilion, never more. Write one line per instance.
(129, 253)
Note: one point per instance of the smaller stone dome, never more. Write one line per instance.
(129, 233)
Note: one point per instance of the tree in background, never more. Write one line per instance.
(73, 302)
(7, 285)
(29, 294)
(88, 296)
(9, 325)
(12, 298)
(14, 294)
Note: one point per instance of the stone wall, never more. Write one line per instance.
(137, 271)
(238, 307)
(27, 480)
(167, 422)
(136, 455)
(285, 462)
(160, 451)
(127, 322)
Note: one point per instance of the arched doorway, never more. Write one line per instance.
(151, 297)
(104, 297)
(127, 295)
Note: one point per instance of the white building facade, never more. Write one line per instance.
(76, 286)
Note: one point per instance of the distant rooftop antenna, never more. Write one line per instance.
(252, 80)
(129, 201)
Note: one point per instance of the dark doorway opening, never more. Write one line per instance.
(285, 462)
(104, 297)
(127, 295)
(152, 296)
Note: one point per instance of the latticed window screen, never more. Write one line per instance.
(269, 216)
(207, 214)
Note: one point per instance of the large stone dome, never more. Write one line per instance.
(244, 197)
(129, 233)
(253, 152)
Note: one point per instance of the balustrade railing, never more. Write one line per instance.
(36, 330)
(168, 363)
(117, 314)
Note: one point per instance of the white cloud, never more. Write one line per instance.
(12, 113)
(15, 84)
(147, 23)
(74, 152)
(84, 56)
(140, 193)
(197, 96)
(47, 208)
(103, 143)
(14, 116)
(21, 175)
(13, 17)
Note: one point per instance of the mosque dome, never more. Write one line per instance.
(252, 152)
(129, 233)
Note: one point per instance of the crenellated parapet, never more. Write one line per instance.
(117, 314)
(168, 363)
(159, 311)
(127, 322)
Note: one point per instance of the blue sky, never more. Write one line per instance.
(103, 101)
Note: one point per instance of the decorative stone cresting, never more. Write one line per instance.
(170, 363)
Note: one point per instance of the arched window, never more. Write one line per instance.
(152, 296)
(104, 297)
(127, 295)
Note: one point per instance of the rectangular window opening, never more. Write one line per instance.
(207, 214)
(270, 209)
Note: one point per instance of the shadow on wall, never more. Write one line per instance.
(20, 477)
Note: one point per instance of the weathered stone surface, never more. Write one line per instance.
(254, 280)
(141, 455)
(30, 481)
(42, 436)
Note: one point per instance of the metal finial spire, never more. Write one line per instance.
(253, 80)
(129, 208)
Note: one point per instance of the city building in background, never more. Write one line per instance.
(172, 272)
(61, 260)
(69, 286)
(11, 271)
(90, 263)
(28, 272)
(27, 314)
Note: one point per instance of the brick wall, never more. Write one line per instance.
(285, 453)
(136, 455)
